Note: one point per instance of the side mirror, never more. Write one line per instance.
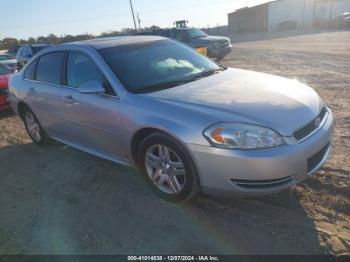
(91, 87)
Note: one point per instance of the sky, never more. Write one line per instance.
(33, 18)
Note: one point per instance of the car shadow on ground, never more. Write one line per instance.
(57, 200)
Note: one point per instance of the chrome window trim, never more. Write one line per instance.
(42, 82)
(73, 88)
(76, 89)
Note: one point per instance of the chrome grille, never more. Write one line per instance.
(312, 126)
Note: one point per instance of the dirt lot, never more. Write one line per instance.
(58, 200)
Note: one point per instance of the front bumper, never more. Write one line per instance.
(219, 53)
(225, 172)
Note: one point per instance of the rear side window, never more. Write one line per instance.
(30, 71)
(49, 68)
(81, 69)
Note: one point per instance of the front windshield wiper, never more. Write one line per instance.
(162, 86)
(170, 84)
(209, 73)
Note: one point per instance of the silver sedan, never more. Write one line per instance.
(186, 123)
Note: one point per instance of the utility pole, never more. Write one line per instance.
(139, 21)
(133, 15)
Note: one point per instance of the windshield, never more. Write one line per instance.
(196, 33)
(148, 67)
(4, 57)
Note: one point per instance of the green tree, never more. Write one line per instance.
(6, 43)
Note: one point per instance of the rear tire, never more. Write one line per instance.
(168, 168)
(34, 129)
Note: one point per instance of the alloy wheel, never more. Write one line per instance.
(165, 169)
(32, 126)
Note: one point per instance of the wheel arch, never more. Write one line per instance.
(142, 133)
(138, 137)
(21, 109)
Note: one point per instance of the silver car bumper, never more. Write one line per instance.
(224, 172)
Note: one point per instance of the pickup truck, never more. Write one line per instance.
(216, 46)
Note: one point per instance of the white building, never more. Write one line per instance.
(281, 14)
(305, 13)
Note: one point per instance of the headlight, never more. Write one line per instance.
(242, 136)
(217, 44)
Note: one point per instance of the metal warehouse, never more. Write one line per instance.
(286, 14)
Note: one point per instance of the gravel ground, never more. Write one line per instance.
(57, 200)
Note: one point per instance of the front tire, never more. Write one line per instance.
(168, 168)
(34, 129)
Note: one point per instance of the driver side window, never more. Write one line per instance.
(81, 69)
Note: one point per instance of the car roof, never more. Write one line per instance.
(102, 43)
(33, 45)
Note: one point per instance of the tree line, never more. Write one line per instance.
(7, 42)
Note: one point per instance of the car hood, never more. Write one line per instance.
(212, 39)
(8, 62)
(245, 96)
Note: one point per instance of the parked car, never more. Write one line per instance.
(5, 72)
(187, 123)
(26, 52)
(13, 50)
(8, 60)
(216, 46)
(340, 22)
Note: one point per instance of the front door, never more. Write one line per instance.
(91, 120)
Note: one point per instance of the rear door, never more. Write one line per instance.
(44, 79)
(91, 120)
